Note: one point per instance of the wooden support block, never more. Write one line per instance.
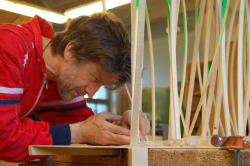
(138, 156)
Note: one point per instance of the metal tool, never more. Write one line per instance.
(235, 143)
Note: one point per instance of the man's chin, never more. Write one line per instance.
(66, 97)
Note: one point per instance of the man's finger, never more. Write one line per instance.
(109, 116)
(118, 129)
(116, 139)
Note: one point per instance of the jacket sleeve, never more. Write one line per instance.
(16, 134)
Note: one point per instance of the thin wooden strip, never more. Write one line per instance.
(208, 108)
(240, 70)
(174, 68)
(172, 119)
(128, 94)
(138, 68)
(193, 67)
(222, 129)
(218, 103)
(171, 132)
(207, 42)
(219, 82)
(198, 63)
(230, 28)
(247, 97)
(225, 87)
(218, 92)
(151, 53)
(104, 6)
(201, 87)
(231, 78)
(211, 70)
(184, 64)
(224, 82)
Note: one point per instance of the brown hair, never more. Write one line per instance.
(100, 38)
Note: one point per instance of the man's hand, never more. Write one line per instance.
(144, 123)
(97, 130)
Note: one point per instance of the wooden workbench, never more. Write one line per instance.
(156, 157)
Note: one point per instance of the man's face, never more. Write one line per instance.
(79, 79)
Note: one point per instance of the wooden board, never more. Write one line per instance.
(156, 157)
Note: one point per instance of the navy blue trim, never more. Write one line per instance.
(9, 101)
(61, 134)
(62, 110)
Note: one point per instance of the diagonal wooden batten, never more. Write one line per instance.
(174, 67)
(193, 67)
(247, 94)
(137, 55)
(151, 53)
(240, 70)
(212, 69)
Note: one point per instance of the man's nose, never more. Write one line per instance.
(92, 90)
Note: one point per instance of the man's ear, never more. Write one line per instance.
(68, 51)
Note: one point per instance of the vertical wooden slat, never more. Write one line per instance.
(174, 67)
(137, 55)
(151, 53)
(240, 69)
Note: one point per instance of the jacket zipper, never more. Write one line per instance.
(45, 82)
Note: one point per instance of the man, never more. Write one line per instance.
(48, 75)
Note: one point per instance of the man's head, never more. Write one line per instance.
(100, 39)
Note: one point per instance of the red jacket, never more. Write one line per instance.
(24, 89)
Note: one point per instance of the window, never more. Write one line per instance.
(100, 101)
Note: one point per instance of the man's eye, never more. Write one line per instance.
(96, 80)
